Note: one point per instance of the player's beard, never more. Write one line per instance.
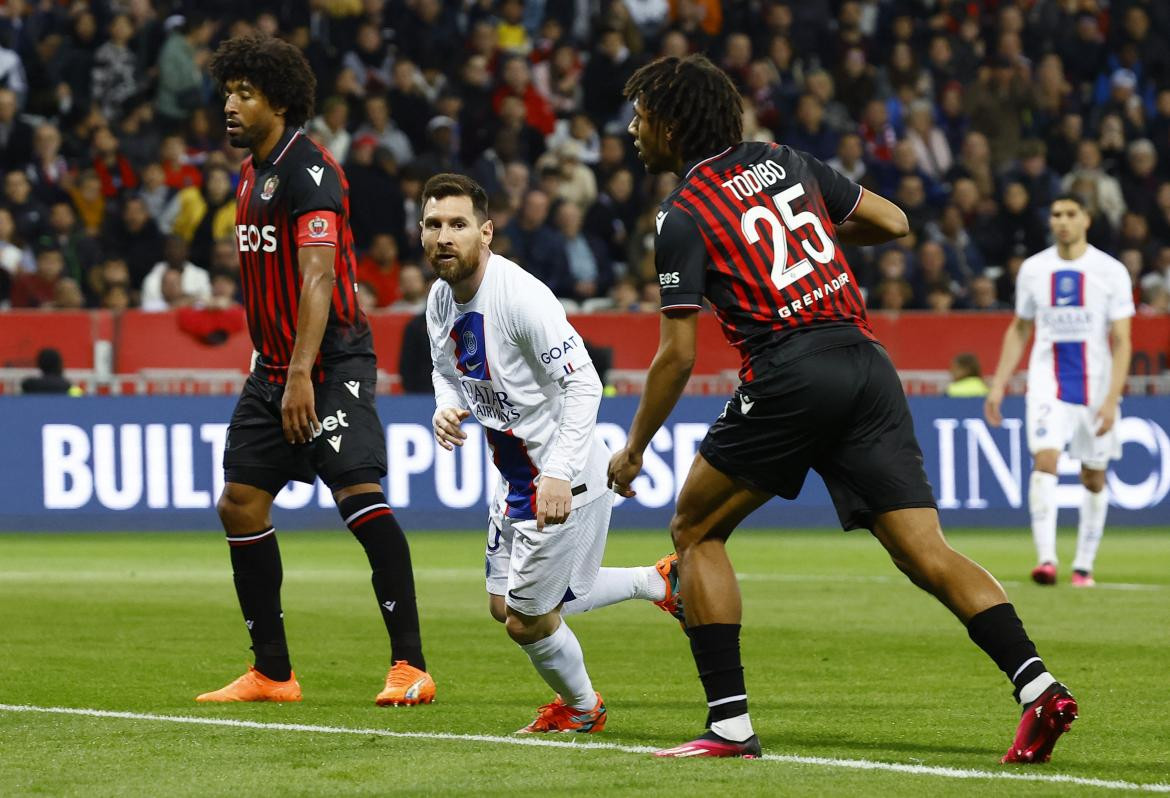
(456, 270)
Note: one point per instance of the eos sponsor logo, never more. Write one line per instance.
(978, 462)
(256, 239)
(668, 279)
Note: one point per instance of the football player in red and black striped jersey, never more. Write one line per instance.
(307, 409)
(756, 230)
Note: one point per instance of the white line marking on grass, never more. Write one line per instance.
(544, 742)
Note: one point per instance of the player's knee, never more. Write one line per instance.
(525, 629)
(1046, 461)
(496, 608)
(685, 533)
(1094, 481)
(236, 513)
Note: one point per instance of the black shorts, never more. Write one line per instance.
(841, 412)
(350, 449)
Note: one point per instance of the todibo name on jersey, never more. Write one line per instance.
(754, 179)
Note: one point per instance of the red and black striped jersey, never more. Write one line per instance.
(752, 229)
(298, 197)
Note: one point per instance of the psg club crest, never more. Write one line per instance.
(1067, 284)
(470, 345)
(269, 187)
(318, 227)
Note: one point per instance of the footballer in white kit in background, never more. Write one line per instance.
(1079, 301)
(503, 352)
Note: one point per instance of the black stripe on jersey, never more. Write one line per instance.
(721, 264)
(290, 287)
(718, 217)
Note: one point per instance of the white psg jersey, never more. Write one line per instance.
(504, 352)
(1072, 303)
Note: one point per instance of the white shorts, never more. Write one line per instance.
(534, 571)
(1053, 424)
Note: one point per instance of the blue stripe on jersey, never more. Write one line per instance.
(1068, 289)
(470, 349)
(1068, 357)
(511, 458)
(1072, 374)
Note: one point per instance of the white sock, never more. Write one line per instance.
(736, 729)
(615, 585)
(1094, 507)
(1042, 504)
(1032, 690)
(561, 663)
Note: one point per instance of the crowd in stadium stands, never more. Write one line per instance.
(118, 183)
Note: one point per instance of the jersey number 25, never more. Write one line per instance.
(784, 274)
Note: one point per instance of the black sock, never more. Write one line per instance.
(999, 632)
(371, 521)
(715, 647)
(257, 572)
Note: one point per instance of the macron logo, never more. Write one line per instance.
(389, 605)
(353, 386)
(745, 404)
(316, 172)
(658, 220)
(335, 442)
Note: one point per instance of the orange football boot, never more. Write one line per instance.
(255, 686)
(406, 685)
(559, 717)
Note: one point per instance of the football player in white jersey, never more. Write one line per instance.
(503, 351)
(1079, 301)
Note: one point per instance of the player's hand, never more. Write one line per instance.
(623, 467)
(554, 499)
(446, 423)
(298, 414)
(991, 407)
(1106, 416)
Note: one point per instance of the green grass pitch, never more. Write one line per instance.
(844, 660)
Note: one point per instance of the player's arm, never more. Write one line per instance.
(861, 217)
(450, 408)
(315, 205)
(1015, 341)
(876, 220)
(569, 450)
(680, 258)
(297, 409)
(1122, 345)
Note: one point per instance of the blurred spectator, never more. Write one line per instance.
(441, 152)
(48, 170)
(412, 289)
(367, 299)
(414, 357)
(112, 167)
(175, 281)
(52, 378)
(850, 160)
(381, 129)
(370, 60)
(609, 67)
(14, 258)
(998, 103)
(809, 131)
(375, 197)
(177, 167)
(180, 64)
(590, 268)
(378, 269)
(1107, 190)
(154, 191)
(329, 128)
(27, 212)
(559, 79)
(1019, 227)
(966, 377)
(1032, 171)
(79, 251)
(16, 135)
(932, 152)
(115, 77)
(37, 289)
(1139, 183)
(412, 110)
(137, 237)
(940, 298)
(12, 74)
(537, 247)
(892, 296)
(983, 295)
(516, 81)
(67, 295)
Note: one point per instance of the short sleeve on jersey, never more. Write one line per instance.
(544, 332)
(314, 186)
(317, 229)
(841, 195)
(1025, 293)
(1120, 294)
(680, 258)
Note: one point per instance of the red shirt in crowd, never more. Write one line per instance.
(540, 111)
(383, 281)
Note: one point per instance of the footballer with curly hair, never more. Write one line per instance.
(307, 409)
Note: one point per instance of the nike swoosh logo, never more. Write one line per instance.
(474, 366)
(513, 595)
(1064, 300)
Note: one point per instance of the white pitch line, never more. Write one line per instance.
(543, 742)
(901, 580)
